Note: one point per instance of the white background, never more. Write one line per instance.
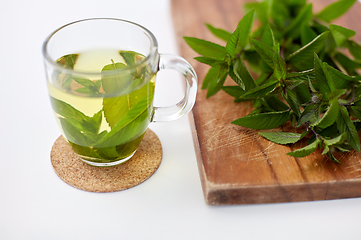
(36, 204)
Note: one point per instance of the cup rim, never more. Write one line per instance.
(144, 61)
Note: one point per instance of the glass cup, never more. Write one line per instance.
(101, 78)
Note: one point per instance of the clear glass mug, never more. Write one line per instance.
(101, 78)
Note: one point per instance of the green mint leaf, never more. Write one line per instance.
(67, 111)
(355, 49)
(253, 60)
(118, 82)
(220, 33)
(115, 108)
(129, 122)
(263, 77)
(275, 104)
(206, 48)
(349, 65)
(356, 111)
(95, 122)
(262, 106)
(234, 91)
(345, 125)
(332, 158)
(308, 115)
(245, 29)
(83, 150)
(281, 137)
(68, 61)
(131, 57)
(244, 78)
(303, 93)
(279, 13)
(240, 36)
(233, 43)
(89, 87)
(340, 79)
(77, 127)
(263, 120)
(303, 17)
(302, 58)
(261, 10)
(335, 10)
(264, 51)
(307, 34)
(280, 69)
(336, 94)
(307, 150)
(84, 82)
(210, 61)
(327, 143)
(73, 132)
(291, 99)
(330, 115)
(291, 84)
(341, 34)
(218, 82)
(109, 153)
(260, 91)
(322, 77)
(210, 77)
(267, 36)
(85, 91)
(304, 75)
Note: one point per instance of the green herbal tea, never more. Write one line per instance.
(103, 116)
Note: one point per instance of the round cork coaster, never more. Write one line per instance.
(68, 166)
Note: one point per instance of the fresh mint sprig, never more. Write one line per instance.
(302, 73)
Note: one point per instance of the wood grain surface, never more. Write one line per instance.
(237, 165)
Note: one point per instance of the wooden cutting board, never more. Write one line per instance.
(237, 165)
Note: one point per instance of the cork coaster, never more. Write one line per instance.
(136, 170)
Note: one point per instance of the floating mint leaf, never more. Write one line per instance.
(68, 61)
(131, 57)
(117, 82)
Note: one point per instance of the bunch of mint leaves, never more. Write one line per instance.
(304, 73)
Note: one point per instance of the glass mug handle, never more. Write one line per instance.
(173, 62)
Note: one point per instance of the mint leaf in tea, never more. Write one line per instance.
(105, 105)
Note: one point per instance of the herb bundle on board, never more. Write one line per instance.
(307, 73)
